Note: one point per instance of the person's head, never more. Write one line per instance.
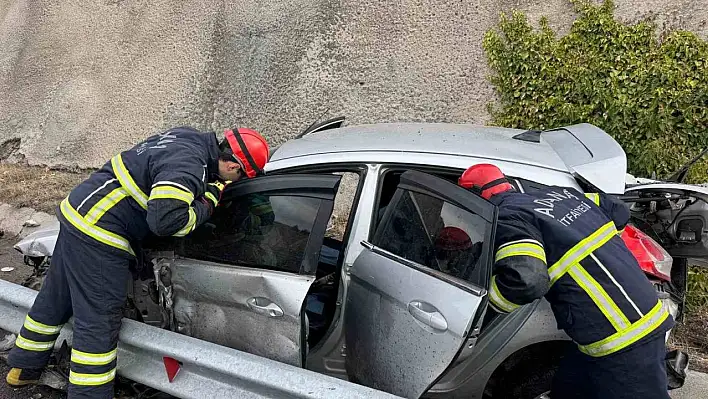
(452, 245)
(244, 152)
(485, 179)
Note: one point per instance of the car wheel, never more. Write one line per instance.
(530, 379)
(532, 385)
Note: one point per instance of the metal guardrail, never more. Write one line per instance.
(208, 370)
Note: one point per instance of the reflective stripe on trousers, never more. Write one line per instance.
(34, 346)
(93, 361)
(45, 336)
(41, 328)
(84, 379)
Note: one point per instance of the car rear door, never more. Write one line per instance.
(411, 307)
(241, 279)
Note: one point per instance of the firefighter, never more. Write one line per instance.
(561, 244)
(455, 253)
(167, 185)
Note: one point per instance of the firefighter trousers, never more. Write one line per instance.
(89, 281)
(638, 372)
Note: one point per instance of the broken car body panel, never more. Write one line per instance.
(256, 311)
(678, 214)
(41, 242)
(590, 154)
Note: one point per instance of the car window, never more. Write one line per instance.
(436, 234)
(256, 230)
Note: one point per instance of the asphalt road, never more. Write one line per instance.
(696, 387)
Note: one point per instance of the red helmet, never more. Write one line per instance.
(249, 148)
(485, 179)
(452, 239)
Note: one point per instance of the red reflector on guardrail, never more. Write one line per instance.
(172, 366)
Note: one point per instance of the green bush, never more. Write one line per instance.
(697, 289)
(649, 92)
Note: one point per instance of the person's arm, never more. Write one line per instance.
(520, 271)
(178, 203)
(613, 207)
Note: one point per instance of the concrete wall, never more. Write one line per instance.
(81, 80)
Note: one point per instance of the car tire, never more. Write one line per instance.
(530, 379)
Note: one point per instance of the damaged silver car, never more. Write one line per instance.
(328, 261)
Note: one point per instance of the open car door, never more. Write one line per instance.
(418, 291)
(240, 280)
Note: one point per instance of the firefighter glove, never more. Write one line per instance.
(214, 191)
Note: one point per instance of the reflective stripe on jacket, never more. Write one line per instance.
(561, 244)
(154, 187)
(615, 209)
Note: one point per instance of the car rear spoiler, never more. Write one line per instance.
(590, 154)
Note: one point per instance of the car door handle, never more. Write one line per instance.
(264, 306)
(428, 315)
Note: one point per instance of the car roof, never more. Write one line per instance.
(464, 140)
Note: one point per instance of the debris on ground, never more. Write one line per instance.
(7, 342)
(7, 392)
(30, 223)
(692, 338)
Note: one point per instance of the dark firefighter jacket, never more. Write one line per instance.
(558, 243)
(158, 186)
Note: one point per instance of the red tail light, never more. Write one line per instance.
(652, 258)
